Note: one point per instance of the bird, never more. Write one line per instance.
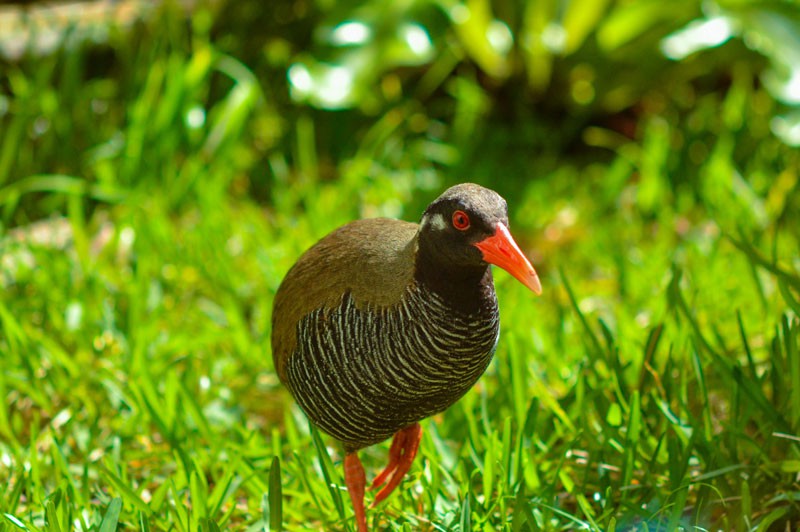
(383, 323)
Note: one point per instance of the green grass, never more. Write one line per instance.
(654, 385)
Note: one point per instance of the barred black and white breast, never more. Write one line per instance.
(362, 374)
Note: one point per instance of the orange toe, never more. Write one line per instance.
(401, 455)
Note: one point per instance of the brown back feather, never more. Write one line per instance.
(371, 259)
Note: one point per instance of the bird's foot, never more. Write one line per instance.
(401, 455)
(356, 480)
(395, 452)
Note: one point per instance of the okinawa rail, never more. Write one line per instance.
(383, 323)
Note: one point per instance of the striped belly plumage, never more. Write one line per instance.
(362, 374)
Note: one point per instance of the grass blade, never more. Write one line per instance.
(466, 515)
(208, 525)
(111, 517)
(701, 381)
(790, 278)
(127, 493)
(275, 496)
(51, 522)
(16, 522)
(144, 522)
(327, 472)
(598, 349)
(790, 341)
(792, 301)
(632, 440)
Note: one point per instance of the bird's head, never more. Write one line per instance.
(466, 228)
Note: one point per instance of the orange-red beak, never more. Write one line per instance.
(501, 250)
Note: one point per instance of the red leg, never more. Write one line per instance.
(398, 442)
(356, 480)
(409, 439)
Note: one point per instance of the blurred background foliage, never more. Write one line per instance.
(162, 164)
(588, 80)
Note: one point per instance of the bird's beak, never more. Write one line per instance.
(501, 250)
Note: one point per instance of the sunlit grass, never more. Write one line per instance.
(655, 384)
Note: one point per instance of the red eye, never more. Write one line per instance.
(460, 220)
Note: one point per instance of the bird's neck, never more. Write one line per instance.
(468, 290)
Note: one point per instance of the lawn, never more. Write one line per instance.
(162, 167)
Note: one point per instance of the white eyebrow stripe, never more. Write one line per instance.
(438, 222)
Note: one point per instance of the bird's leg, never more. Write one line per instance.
(395, 451)
(356, 480)
(401, 456)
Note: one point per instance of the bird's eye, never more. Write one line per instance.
(460, 220)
